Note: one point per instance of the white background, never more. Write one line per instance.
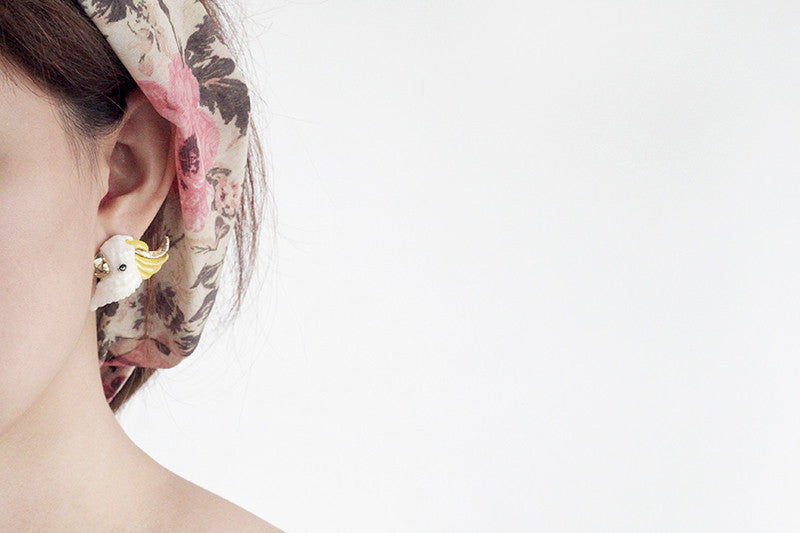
(534, 269)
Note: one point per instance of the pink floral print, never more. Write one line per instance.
(228, 196)
(172, 50)
(179, 103)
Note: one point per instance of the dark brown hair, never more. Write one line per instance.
(55, 45)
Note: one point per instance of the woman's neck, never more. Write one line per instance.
(66, 461)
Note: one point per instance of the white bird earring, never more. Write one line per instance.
(121, 265)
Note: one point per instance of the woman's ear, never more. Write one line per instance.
(137, 163)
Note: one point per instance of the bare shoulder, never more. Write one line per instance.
(194, 508)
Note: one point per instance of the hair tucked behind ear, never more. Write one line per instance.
(55, 45)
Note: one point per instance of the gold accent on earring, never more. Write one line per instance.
(143, 250)
(101, 268)
(149, 262)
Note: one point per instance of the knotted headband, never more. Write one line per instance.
(174, 52)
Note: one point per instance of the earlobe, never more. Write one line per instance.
(140, 167)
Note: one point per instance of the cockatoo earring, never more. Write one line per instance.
(121, 265)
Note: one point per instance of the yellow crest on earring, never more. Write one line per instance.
(149, 262)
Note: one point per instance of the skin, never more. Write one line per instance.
(65, 462)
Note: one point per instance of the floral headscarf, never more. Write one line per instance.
(173, 51)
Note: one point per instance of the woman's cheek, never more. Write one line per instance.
(44, 291)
